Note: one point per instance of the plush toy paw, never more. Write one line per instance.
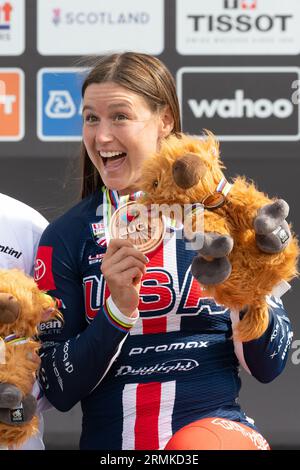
(22, 414)
(276, 241)
(270, 216)
(10, 396)
(272, 230)
(211, 272)
(216, 245)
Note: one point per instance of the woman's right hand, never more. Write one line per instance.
(123, 267)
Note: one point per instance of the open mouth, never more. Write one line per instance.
(110, 157)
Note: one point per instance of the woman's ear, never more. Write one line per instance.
(166, 123)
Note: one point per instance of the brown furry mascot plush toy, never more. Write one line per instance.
(22, 308)
(247, 248)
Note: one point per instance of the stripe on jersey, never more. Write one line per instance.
(154, 325)
(147, 415)
(164, 257)
(129, 415)
(148, 399)
(168, 391)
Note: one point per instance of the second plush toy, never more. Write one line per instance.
(22, 308)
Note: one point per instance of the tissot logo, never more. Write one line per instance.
(237, 27)
(240, 103)
(241, 24)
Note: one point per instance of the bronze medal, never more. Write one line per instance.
(133, 221)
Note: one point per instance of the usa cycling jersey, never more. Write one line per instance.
(140, 380)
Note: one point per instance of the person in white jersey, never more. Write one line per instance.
(20, 230)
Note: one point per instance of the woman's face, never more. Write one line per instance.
(119, 132)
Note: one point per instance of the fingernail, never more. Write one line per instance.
(147, 259)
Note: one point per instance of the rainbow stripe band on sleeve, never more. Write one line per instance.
(125, 327)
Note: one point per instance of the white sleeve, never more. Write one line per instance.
(21, 228)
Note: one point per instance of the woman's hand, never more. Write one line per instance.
(123, 267)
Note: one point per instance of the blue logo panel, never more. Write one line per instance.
(59, 104)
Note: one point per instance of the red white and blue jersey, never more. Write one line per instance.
(140, 382)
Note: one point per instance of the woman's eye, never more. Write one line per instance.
(120, 117)
(90, 118)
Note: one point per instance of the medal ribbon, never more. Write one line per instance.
(223, 187)
(111, 202)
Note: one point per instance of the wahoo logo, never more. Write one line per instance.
(254, 102)
(240, 106)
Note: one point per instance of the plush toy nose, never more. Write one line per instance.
(9, 308)
(188, 170)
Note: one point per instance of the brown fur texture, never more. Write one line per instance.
(21, 360)
(254, 273)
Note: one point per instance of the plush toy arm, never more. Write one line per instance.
(212, 265)
(272, 231)
(14, 410)
(265, 357)
(10, 395)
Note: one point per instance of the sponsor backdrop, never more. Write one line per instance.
(237, 68)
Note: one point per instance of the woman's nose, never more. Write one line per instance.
(104, 132)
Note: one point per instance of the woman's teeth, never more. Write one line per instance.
(111, 156)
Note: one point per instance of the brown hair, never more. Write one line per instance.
(142, 74)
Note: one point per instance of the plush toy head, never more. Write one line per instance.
(183, 170)
(22, 308)
(22, 305)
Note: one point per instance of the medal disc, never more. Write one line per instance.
(134, 222)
